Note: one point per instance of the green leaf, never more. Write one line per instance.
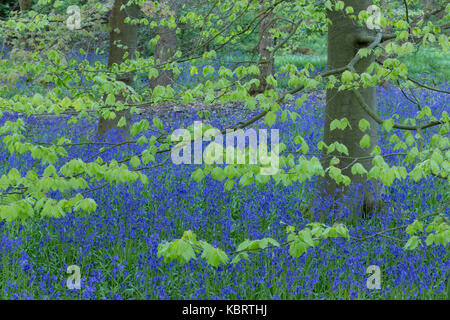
(330, 232)
(365, 141)
(412, 243)
(342, 230)
(341, 148)
(261, 178)
(58, 3)
(306, 236)
(346, 76)
(135, 162)
(388, 124)
(334, 124)
(239, 257)
(229, 184)
(189, 236)
(122, 122)
(414, 227)
(246, 179)
(218, 174)
(153, 73)
(364, 125)
(339, 5)
(198, 175)
(300, 101)
(213, 256)
(358, 168)
(244, 245)
(430, 239)
(110, 99)
(194, 70)
(87, 205)
(158, 123)
(37, 99)
(270, 118)
(208, 70)
(264, 243)
(297, 248)
(284, 115)
(271, 80)
(177, 250)
(159, 92)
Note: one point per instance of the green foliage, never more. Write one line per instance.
(43, 60)
(6, 6)
(437, 232)
(187, 247)
(299, 242)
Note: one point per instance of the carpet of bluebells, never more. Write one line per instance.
(116, 247)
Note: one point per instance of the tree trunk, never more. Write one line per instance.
(164, 51)
(265, 41)
(430, 5)
(124, 34)
(343, 45)
(25, 5)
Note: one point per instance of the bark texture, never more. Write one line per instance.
(430, 5)
(265, 41)
(121, 34)
(25, 4)
(343, 44)
(165, 49)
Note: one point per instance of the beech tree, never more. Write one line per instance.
(25, 4)
(345, 38)
(122, 47)
(265, 46)
(166, 45)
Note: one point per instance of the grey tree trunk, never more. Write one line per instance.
(430, 5)
(265, 41)
(25, 5)
(124, 34)
(164, 51)
(435, 7)
(343, 45)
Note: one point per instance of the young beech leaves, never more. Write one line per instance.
(188, 246)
